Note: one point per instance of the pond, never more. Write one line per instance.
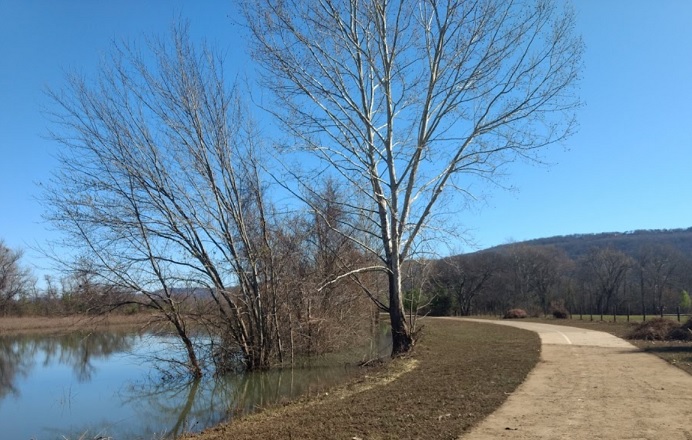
(106, 385)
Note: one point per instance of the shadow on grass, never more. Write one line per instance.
(678, 349)
(676, 353)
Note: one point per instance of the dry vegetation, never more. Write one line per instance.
(515, 314)
(657, 329)
(64, 324)
(461, 372)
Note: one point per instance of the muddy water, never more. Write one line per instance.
(108, 385)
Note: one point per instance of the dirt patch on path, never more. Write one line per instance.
(592, 385)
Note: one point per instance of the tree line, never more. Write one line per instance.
(651, 280)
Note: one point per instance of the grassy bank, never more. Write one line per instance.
(458, 374)
(45, 325)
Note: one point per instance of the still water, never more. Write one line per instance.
(107, 385)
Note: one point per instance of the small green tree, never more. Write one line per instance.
(685, 301)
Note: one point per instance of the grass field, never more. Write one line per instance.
(625, 318)
(458, 374)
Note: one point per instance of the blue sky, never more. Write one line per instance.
(628, 167)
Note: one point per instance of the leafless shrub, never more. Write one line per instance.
(558, 310)
(515, 314)
(656, 329)
(682, 333)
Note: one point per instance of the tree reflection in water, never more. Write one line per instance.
(195, 405)
(19, 354)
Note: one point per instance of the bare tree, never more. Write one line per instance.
(538, 272)
(15, 280)
(313, 248)
(160, 190)
(656, 267)
(465, 277)
(603, 272)
(401, 99)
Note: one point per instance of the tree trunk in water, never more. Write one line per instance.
(256, 357)
(194, 367)
(402, 341)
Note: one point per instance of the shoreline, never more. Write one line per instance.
(16, 325)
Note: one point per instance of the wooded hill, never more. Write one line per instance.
(630, 242)
(647, 271)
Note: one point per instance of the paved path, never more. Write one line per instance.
(592, 385)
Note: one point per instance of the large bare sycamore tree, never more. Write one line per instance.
(406, 100)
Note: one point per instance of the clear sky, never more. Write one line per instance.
(628, 167)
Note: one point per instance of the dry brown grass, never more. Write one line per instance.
(458, 374)
(65, 324)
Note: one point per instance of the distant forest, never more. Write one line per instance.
(640, 272)
(630, 242)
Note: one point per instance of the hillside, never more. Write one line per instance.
(629, 242)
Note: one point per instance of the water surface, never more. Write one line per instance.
(106, 384)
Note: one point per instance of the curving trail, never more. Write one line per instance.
(592, 385)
